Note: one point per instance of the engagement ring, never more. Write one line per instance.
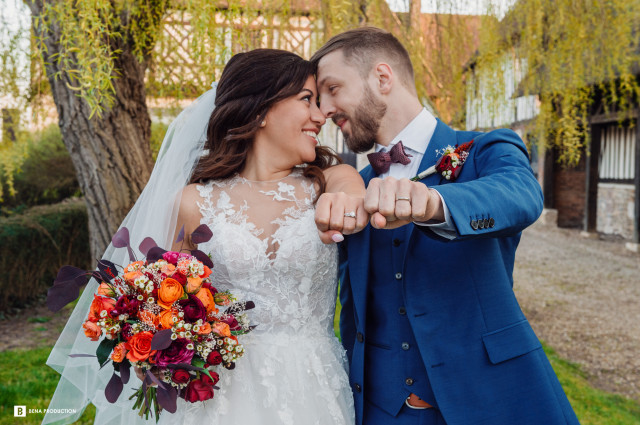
(351, 214)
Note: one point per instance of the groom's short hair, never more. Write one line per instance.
(362, 47)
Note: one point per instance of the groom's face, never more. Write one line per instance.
(349, 101)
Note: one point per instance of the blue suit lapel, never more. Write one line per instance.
(442, 136)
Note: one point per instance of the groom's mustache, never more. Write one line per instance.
(339, 116)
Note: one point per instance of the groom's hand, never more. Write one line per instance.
(339, 214)
(393, 203)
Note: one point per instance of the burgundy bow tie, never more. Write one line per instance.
(381, 161)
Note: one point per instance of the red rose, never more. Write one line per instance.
(205, 378)
(198, 390)
(214, 358)
(180, 376)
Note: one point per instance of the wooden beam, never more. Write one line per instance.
(636, 221)
(614, 116)
(592, 174)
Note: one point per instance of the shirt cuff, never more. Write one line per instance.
(445, 229)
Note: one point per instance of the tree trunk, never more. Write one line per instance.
(111, 153)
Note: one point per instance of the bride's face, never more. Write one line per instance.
(291, 126)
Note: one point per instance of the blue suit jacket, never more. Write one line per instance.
(484, 362)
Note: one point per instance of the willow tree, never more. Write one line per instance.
(105, 59)
(574, 53)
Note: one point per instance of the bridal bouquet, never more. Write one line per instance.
(162, 316)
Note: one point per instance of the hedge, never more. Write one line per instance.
(35, 244)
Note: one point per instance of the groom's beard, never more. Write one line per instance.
(364, 123)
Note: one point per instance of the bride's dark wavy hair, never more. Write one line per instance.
(251, 83)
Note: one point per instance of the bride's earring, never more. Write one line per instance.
(263, 123)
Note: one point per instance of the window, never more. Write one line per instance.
(617, 154)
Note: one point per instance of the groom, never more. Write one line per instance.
(432, 329)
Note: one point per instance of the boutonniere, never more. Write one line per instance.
(449, 164)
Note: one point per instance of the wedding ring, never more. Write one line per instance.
(351, 214)
(403, 198)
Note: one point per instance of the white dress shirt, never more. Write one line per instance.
(415, 138)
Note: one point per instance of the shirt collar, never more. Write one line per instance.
(417, 134)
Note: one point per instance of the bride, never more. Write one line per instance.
(257, 177)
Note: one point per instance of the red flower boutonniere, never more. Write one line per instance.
(450, 163)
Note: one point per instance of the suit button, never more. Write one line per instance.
(486, 223)
(408, 381)
(398, 276)
(396, 242)
(492, 222)
(357, 387)
(359, 337)
(474, 224)
(480, 224)
(402, 311)
(405, 346)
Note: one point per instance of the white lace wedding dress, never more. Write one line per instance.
(265, 248)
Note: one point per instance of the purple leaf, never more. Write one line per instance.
(132, 255)
(153, 378)
(113, 389)
(201, 234)
(121, 238)
(146, 245)
(202, 257)
(167, 398)
(108, 270)
(185, 366)
(69, 273)
(61, 294)
(180, 235)
(81, 355)
(154, 254)
(161, 340)
(125, 372)
(239, 307)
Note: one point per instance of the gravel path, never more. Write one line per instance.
(582, 297)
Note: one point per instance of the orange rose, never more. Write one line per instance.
(119, 352)
(204, 295)
(91, 330)
(193, 284)
(134, 266)
(165, 318)
(106, 290)
(139, 347)
(221, 329)
(132, 272)
(207, 272)
(170, 291)
(168, 269)
(98, 305)
(204, 329)
(148, 317)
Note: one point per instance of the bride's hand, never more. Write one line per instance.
(339, 214)
(141, 375)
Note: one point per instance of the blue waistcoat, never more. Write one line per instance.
(390, 338)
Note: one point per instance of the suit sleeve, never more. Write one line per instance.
(347, 318)
(505, 196)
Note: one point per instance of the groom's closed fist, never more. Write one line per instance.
(393, 203)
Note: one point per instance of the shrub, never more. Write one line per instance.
(47, 174)
(35, 244)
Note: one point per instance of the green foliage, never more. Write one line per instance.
(46, 174)
(158, 131)
(25, 380)
(573, 53)
(34, 245)
(592, 406)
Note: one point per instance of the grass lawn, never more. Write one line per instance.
(25, 380)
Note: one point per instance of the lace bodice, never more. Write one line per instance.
(265, 248)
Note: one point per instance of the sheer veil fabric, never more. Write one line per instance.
(153, 215)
